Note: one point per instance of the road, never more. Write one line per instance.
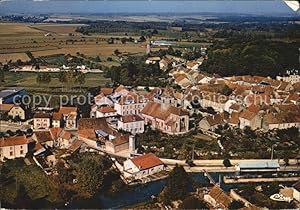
(217, 163)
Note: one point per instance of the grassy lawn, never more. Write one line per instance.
(28, 81)
(36, 183)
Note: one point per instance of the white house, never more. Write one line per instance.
(130, 104)
(41, 121)
(44, 138)
(70, 116)
(152, 60)
(291, 77)
(13, 147)
(282, 120)
(56, 119)
(101, 100)
(131, 123)
(105, 111)
(250, 119)
(142, 166)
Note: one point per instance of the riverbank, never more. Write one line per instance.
(231, 180)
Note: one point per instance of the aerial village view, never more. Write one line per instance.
(149, 105)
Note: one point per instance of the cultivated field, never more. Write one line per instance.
(49, 39)
(16, 39)
(56, 28)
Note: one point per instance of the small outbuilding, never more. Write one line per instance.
(261, 166)
(142, 166)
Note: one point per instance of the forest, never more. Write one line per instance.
(250, 54)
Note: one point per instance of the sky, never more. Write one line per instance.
(258, 7)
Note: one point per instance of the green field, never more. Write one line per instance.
(28, 80)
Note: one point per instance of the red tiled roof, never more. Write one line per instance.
(57, 116)
(235, 107)
(131, 118)
(155, 110)
(43, 136)
(220, 196)
(120, 88)
(106, 91)
(253, 108)
(67, 110)
(106, 109)
(6, 107)
(12, 141)
(147, 161)
(247, 115)
(179, 78)
(87, 127)
(42, 115)
(234, 118)
(37, 146)
(55, 132)
(120, 139)
(66, 135)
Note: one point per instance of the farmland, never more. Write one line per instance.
(48, 39)
(16, 39)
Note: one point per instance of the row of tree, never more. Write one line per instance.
(67, 78)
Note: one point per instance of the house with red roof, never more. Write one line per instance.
(250, 119)
(69, 116)
(13, 147)
(142, 166)
(131, 123)
(105, 111)
(166, 118)
(130, 104)
(41, 120)
(96, 133)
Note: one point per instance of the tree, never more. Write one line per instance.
(286, 161)
(123, 40)
(80, 79)
(90, 172)
(22, 200)
(117, 52)
(69, 78)
(236, 205)
(29, 131)
(39, 78)
(142, 39)
(226, 91)
(46, 78)
(2, 78)
(177, 185)
(155, 31)
(19, 132)
(5, 67)
(97, 59)
(227, 163)
(192, 202)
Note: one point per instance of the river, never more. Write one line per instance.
(142, 193)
